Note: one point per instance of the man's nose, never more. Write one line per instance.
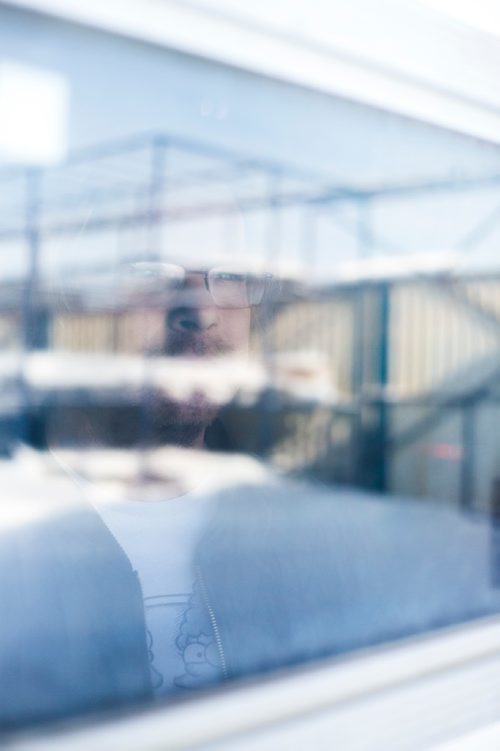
(193, 320)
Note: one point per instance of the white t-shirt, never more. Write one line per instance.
(159, 538)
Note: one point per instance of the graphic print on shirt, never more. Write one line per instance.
(185, 657)
(197, 645)
(164, 614)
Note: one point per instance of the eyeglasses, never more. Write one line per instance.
(228, 288)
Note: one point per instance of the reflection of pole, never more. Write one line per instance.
(358, 375)
(380, 469)
(310, 238)
(152, 252)
(373, 420)
(274, 226)
(30, 299)
(371, 329)
(365, 229)
(269, 402)
(33, 242)
(495, 533)
(467, 468)
(156, 205)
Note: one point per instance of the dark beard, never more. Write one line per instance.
(181, 343)
(176, 422)
(181, 422)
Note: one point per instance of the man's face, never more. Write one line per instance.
(199, 328)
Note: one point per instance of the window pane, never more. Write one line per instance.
(249, 375)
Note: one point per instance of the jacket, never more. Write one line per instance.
(286, 574)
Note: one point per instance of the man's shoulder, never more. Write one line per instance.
(305, 571)
(72, 636)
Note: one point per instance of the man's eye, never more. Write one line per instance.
(143, 271)
(229, 277)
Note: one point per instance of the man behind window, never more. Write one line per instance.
(111, 603)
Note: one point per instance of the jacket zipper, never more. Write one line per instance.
(213, 621)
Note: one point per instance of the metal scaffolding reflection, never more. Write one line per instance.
(390, 395)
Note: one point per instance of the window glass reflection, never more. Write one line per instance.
(246, 422)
